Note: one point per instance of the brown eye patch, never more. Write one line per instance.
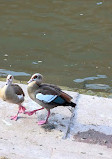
(34, 77)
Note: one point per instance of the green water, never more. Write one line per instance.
(68, 41)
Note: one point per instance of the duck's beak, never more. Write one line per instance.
(30, 81)
(7, 82)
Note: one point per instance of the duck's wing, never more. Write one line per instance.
(49, 89)
(51, 86)
(17, 89)
(47, 94)
(12, 93)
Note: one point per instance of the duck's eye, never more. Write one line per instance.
(34, 77)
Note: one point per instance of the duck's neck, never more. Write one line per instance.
(32, 87)
(8, 82)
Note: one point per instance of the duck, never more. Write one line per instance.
(46, 95)
(13, 93)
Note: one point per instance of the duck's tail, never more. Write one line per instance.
(73, 104)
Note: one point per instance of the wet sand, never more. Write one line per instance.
(94, 137)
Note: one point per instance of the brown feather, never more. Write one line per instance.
(17, 89)
(66, 97)
(49, 89)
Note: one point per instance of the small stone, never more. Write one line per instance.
(39, 61)
(83, 138)
(105, 141)
(34, 63)
(99, 3)
(5, 55)
(83, 152)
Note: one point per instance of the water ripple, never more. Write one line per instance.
(89, 78)
(4, 72)
(97, 86)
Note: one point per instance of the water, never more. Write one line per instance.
(65, 40)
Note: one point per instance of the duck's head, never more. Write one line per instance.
(9, 79)
(36, 77)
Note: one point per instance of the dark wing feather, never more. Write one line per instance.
(53, 90)
(66, 96)
(17, 89)
(49, 89)
(52, 86)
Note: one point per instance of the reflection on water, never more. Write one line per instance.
(63, 40)
(4, 72)
(97, 86)
(90, 78)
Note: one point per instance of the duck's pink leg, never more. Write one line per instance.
(21, 110)
(32, 112)
(14, 117)
(44, 121)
